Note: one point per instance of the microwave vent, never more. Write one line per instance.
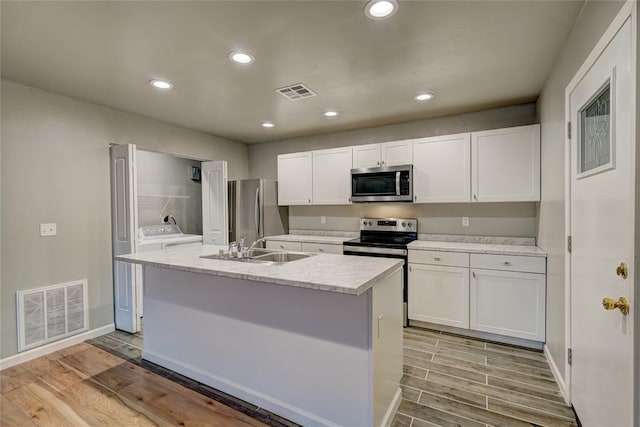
(296, 92)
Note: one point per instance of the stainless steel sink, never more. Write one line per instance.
(263, 256)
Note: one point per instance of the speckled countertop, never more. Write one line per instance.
(336, 240)
(478, 248)
(325, 272)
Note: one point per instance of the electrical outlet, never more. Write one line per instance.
(48, 229)
(465, 221)
(323, 219)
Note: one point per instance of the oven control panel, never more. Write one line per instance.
(389, 224)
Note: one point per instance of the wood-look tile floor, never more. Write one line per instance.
(456, 381)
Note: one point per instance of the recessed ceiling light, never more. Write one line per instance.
(241, 57)
(267, 125)
(160, 84)
(423, 96)
(330, 113)
(381, 9)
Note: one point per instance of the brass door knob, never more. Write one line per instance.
(622, 270)
(622, 304)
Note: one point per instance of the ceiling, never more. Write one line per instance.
(471, 54)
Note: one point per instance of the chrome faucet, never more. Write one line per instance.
(257, 242)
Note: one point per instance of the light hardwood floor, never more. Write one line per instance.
(86, 386)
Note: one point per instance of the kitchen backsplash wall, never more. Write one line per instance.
(486, 219)
(165, 188)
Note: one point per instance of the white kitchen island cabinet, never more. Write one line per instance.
(317, 341)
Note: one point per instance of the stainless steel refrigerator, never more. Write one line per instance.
(254, 212)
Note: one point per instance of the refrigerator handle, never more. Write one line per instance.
(257, 211)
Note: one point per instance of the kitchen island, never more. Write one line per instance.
(316, 340)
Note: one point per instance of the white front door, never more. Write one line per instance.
(602, 229)
(124, 228)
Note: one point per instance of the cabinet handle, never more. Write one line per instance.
(506, 263)
(320, 250)
(382, 163)
(415, 198)
(475, 197)
(378, 163)
(436, 258)
(281, 247)
(409, 269)
(309, 200)
(474, 274)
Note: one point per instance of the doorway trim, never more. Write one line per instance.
(627, 11)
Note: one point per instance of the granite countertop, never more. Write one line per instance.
(336, 240)
(325, 272)
(480, 248)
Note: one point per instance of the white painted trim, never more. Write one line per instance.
(255, 397)
(628, 11)
(392, 409)
(556, 374)
(34, 353)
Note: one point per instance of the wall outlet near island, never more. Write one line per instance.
(48, 229)
(465, 221)
(323, 219)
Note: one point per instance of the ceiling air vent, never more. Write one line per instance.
(296, 92)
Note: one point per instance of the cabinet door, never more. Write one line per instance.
(508, 303)
(366, 156)
(396, 153)
(295, 179)
(506, 164)
(332, 176)
(442, 169)
(439, 294)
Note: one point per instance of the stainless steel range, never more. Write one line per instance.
(388, 238)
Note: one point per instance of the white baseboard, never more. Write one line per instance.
(250, 395)
(556, 375)
(392, 409)
(54, 346)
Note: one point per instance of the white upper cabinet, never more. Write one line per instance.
(386, 154)
(295, 178)
(332, 176)
(506, 164)
(442, 169)
(366, 156)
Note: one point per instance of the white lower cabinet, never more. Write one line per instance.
(498, 294)
(439, 294)
(508, 303)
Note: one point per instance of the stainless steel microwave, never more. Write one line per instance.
(384, 184)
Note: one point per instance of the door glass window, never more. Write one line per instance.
(595, 145)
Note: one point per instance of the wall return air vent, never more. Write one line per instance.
(296, 92)
(51, 313)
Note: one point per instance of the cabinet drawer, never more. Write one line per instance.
(454, 259)
(323, 248)
(284, 246)
(528, 264)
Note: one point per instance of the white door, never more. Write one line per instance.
(332, 176)
(602, 171)
(442, 169)
(124, 228)
(295, 179)
(215, 221)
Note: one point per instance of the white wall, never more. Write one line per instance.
(55, 168)
(593, 20)
(496, 219)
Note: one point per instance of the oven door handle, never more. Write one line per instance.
(397, 183)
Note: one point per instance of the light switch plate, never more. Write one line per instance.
(465, 221)
(48, 229)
